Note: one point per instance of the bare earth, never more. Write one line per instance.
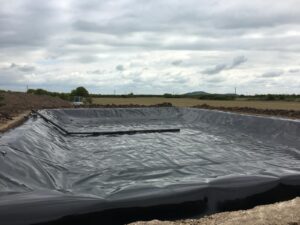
(14, 121)
(16, 106)
(283, 213)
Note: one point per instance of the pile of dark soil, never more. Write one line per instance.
(14, 103)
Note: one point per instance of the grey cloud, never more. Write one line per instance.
(120, 68)
(220, 67)
(208, 43)
(35, 24)
(254, 16)
(118, 26)
(25, 68)
(157, 15)
(16, 76)
(294, 70)
(86, 31)
(275, 73)
(177, 62)
(215, 70)
(84, 41)
(29, 24)
(11, 76)
(86, 26)
(88, 59)
(178, 78)
(95, 72)
(237, 61)
(215, 80)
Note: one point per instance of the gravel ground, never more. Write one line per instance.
(283, 213)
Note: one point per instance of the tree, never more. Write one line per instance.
(80, 91)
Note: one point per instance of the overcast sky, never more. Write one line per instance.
(155, 46)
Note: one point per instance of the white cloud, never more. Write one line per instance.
(150, 47)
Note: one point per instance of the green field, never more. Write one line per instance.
(185, 102)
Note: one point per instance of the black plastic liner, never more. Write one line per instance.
(218, 161)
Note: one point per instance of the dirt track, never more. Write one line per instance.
(283, 213)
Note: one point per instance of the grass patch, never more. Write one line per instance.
(186, 102)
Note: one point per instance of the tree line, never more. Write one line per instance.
(83, 92)
(79, 91)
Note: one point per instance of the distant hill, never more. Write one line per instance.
(196, 93)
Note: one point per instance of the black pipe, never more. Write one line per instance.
(50, 121)
(97, 133)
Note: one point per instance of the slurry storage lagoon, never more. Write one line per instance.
(210, 161)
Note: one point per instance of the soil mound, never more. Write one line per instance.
(14, 103)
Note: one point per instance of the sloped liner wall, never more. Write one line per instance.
(218, 161)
